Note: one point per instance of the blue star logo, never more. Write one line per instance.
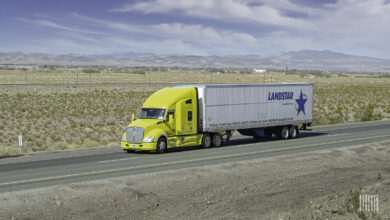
(301, 103)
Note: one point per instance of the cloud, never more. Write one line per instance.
(351, 26)
(204, 37)
(51, 24)
(115, 37)
(108, 24)
(338, 17)
(234, 11)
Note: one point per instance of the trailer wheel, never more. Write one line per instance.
(161, 145)
(217, 140)
(206, 141)
(284, 133)
(293, 132)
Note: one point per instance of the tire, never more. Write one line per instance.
(206, 141)
(293, 132)
(130, 151)
(284, 133)
(161, 146)
(217, 140)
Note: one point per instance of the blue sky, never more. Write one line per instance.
(196, 27)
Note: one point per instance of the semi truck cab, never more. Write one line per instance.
(168, 118)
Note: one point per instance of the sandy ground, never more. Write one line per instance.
(317, 185)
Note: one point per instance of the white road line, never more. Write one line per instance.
(334, 135)
(20, 159)
(107, 161)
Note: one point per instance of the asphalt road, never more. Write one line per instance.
(45, 169)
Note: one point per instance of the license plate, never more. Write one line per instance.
(133, 145)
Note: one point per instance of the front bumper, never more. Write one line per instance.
(142, 146)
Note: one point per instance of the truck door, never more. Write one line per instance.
(184, 117)
(170, 125)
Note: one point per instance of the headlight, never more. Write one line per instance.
(149, 139)
(123, 138)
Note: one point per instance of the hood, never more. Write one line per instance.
(144, 123)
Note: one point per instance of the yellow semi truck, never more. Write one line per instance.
(206, 115)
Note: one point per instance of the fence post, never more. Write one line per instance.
(20, 142)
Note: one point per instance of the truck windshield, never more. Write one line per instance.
(152, 113)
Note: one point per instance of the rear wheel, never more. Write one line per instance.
(206, 141)
(293, 132)
(161, 146)
(217, 140)
(284, 133)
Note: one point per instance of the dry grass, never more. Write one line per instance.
(334, 104)
(68, 117)
(51, 118)
(8, 150)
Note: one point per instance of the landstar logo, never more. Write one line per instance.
(301, 103)
(280, 96)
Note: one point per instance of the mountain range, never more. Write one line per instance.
(302, 60)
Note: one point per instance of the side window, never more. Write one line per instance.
(189, 115)
(171, 113)
(189, 101)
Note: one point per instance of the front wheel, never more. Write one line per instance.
(161, 146)
(206, 141)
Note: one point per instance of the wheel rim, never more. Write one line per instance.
(162, 145)
(293, 132)
(285, 133)
(207, 141)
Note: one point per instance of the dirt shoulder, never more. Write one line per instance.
(317, 185)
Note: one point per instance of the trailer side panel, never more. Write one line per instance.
(229, 107)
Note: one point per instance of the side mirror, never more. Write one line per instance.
(132, 117)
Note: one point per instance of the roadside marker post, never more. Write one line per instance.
(20, 142)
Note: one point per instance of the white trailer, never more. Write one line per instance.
(256, 109)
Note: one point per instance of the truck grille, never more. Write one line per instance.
(134, 135)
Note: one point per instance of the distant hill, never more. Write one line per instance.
(328, 60)
(305, 59)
